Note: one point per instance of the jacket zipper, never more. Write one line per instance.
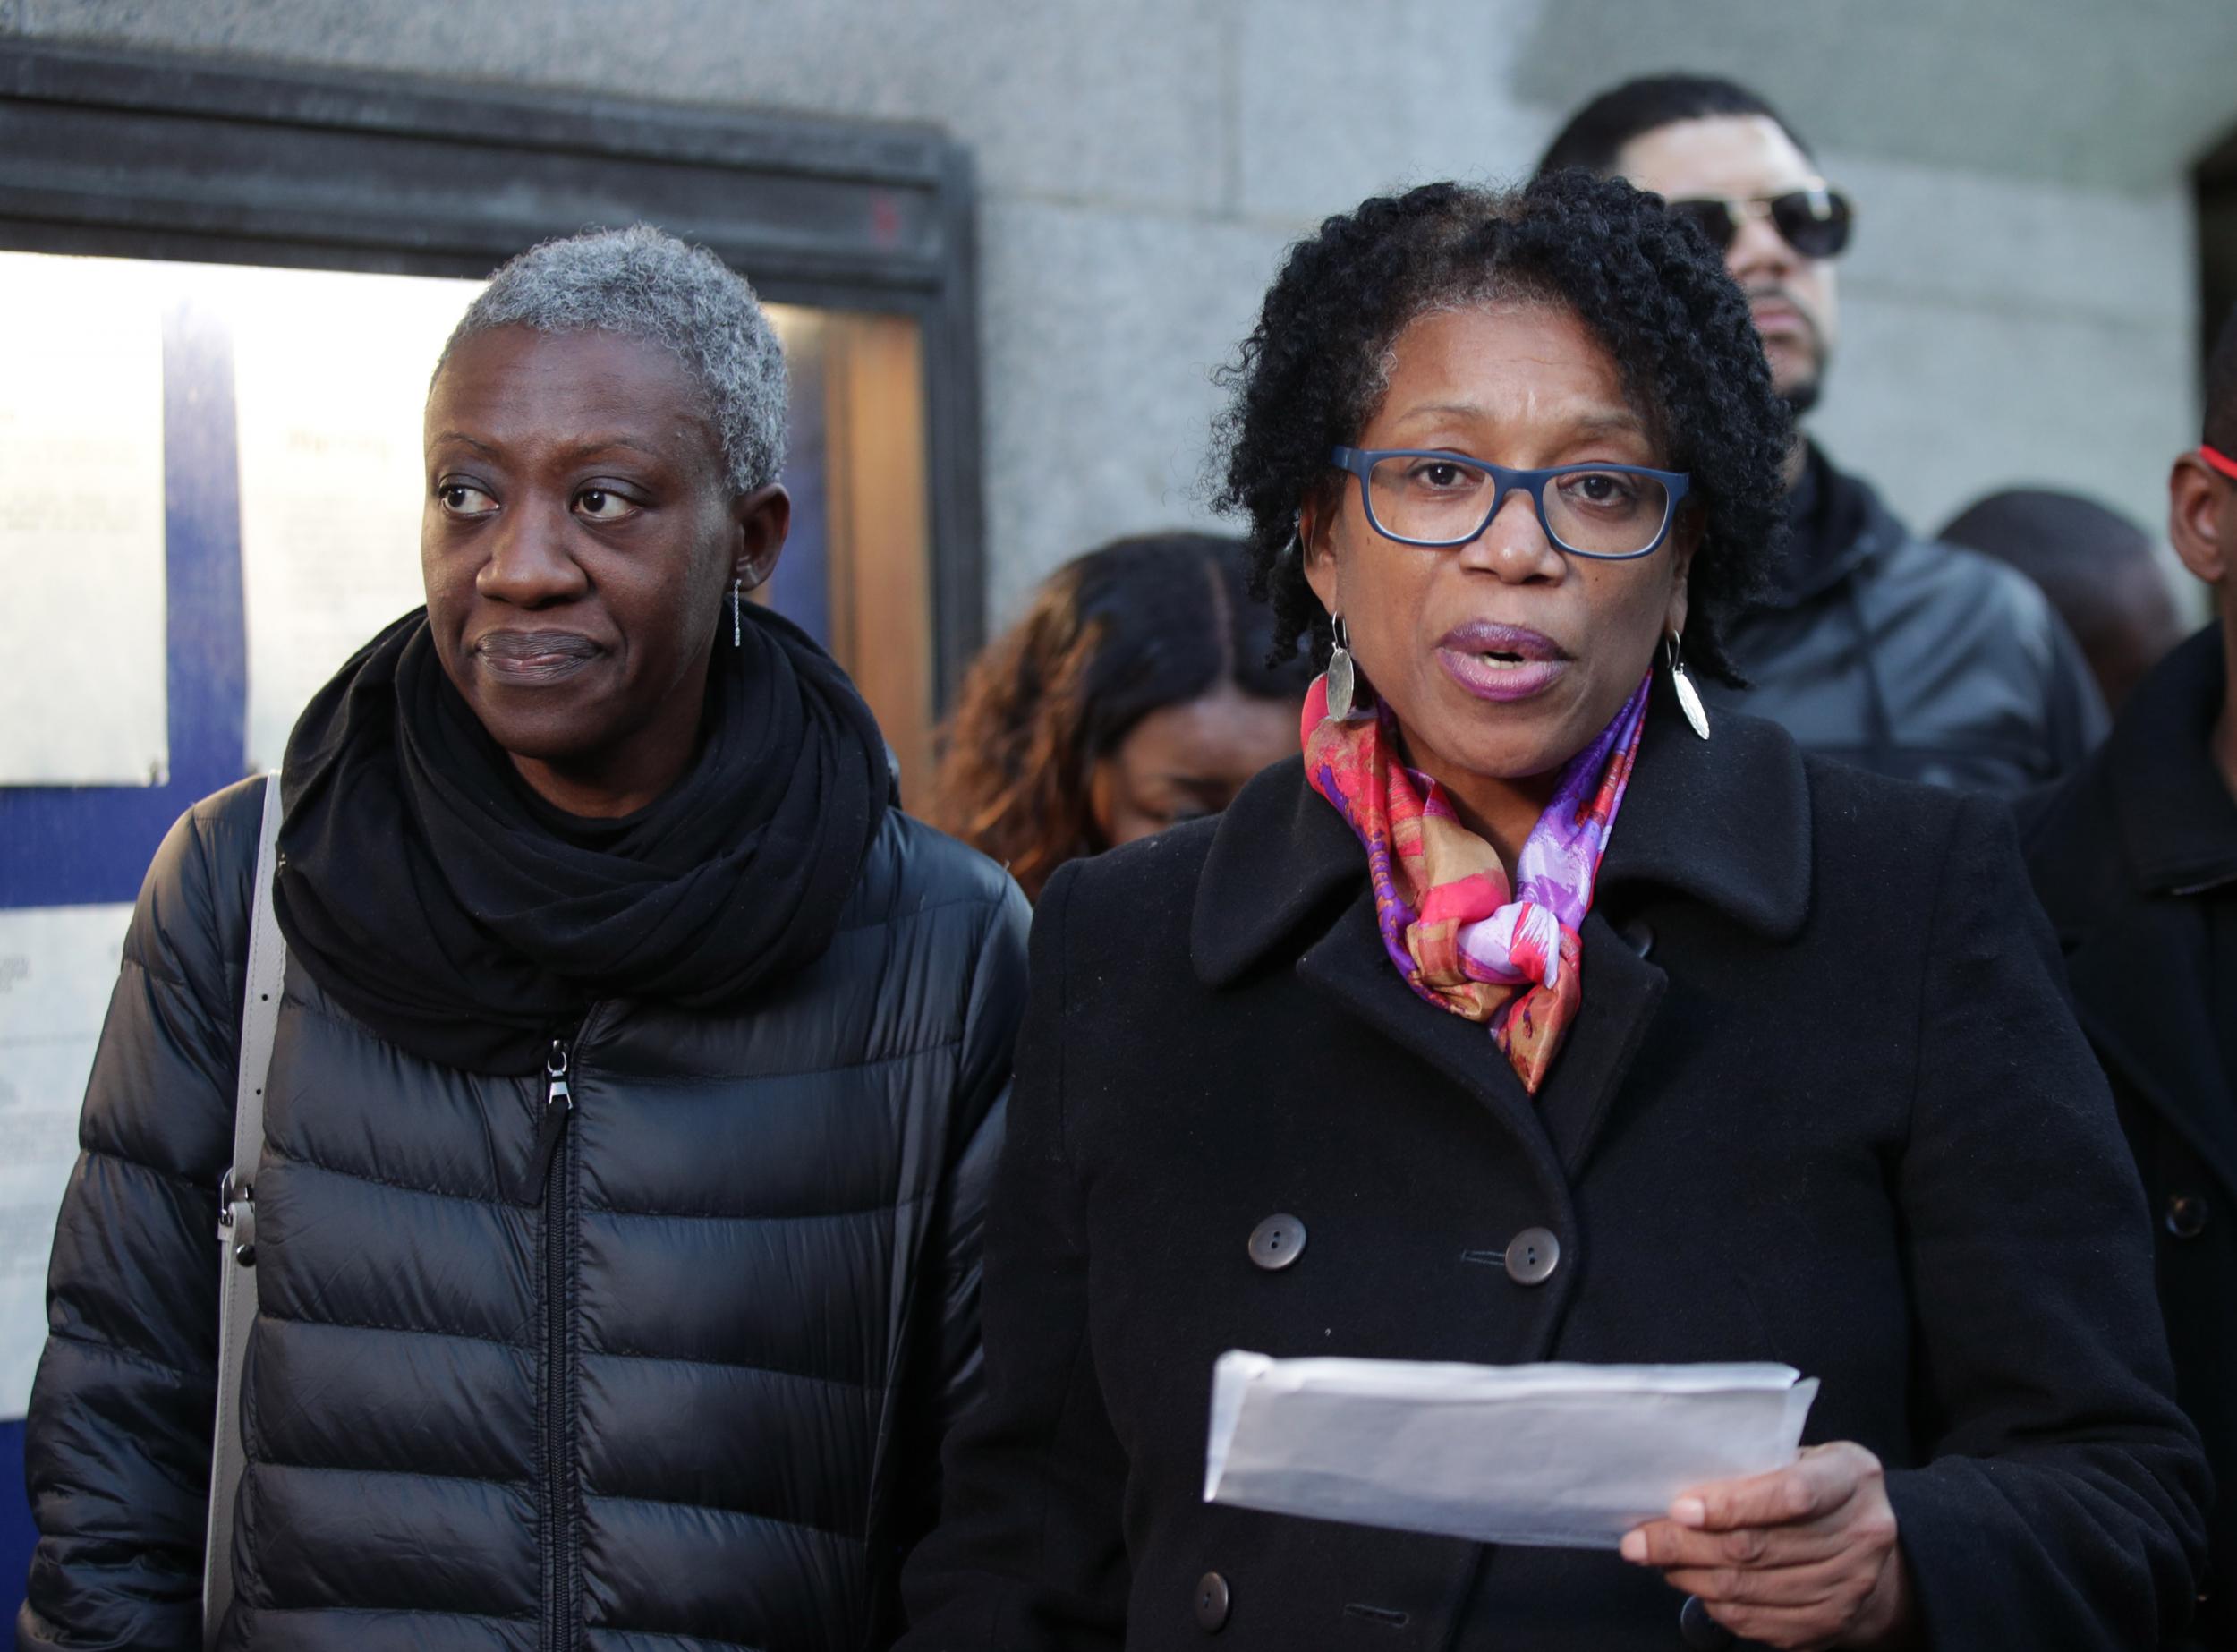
(551, 1150)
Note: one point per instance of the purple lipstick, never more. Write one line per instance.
(1502, 662)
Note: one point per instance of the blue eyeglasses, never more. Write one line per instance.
(1430, 498)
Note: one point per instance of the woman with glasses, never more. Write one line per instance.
(1534, 1014)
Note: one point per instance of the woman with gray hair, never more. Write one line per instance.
(634, 1081)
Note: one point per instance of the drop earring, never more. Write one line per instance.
(737, 628)
(1689, 696)
(1341, 682)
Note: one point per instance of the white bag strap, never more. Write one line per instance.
(236, 1217)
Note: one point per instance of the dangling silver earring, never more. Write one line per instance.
(1689, 696)
(737, 630)
(1340, 681)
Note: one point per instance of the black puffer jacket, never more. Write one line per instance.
(683, 1391)
(1910, 658)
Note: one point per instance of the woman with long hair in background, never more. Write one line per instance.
(1133, 694)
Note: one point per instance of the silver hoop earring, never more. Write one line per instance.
(737, 628)
(1689, 696)
(1342, 680)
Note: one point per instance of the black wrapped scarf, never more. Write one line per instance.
(439, 900)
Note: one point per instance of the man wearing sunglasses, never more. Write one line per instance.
(1909, 658)
(2135, 858)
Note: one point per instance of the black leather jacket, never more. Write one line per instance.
(1911, 659)
(682, 1386)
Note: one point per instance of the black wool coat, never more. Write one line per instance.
(2136, 861)
(1823, 1104)
(679, 1386)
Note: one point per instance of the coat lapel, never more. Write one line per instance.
(1623, 991)
(1348, 963)
(2138, 954)
(2139, 988)
(1724, 822)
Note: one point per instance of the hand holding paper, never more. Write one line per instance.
(1550, 1455)
(1803, 1556)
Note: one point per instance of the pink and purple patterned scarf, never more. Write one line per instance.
(1461, 933)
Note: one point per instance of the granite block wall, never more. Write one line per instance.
(1142, 165)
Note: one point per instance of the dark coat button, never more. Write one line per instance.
(1697, 1629)
(2186, 1214)
(1639, 935)
(1212, 1603)
(1532, 1256)
(1277, 1242)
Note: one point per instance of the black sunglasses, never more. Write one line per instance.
(1814, 220)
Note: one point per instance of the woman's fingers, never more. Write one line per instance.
(1800, 1607)
(1816, 1584)
(1665, 1545)
(1813, 1485)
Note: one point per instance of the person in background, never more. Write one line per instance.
(2100, 570)
(1133, 693)
(638, 1076)
(1534, 1016)
(1868, 644)
(2135, 858)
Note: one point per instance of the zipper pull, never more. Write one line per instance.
(558, 1104)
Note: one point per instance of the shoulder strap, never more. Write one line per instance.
(236, 1217)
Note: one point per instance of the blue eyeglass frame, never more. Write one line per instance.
(1359, 461)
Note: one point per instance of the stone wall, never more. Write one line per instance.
(1142, 165)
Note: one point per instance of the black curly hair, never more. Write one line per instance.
(1651, 290)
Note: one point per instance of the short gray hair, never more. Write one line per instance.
(642, 283)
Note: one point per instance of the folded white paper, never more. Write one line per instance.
(1558, 1456)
